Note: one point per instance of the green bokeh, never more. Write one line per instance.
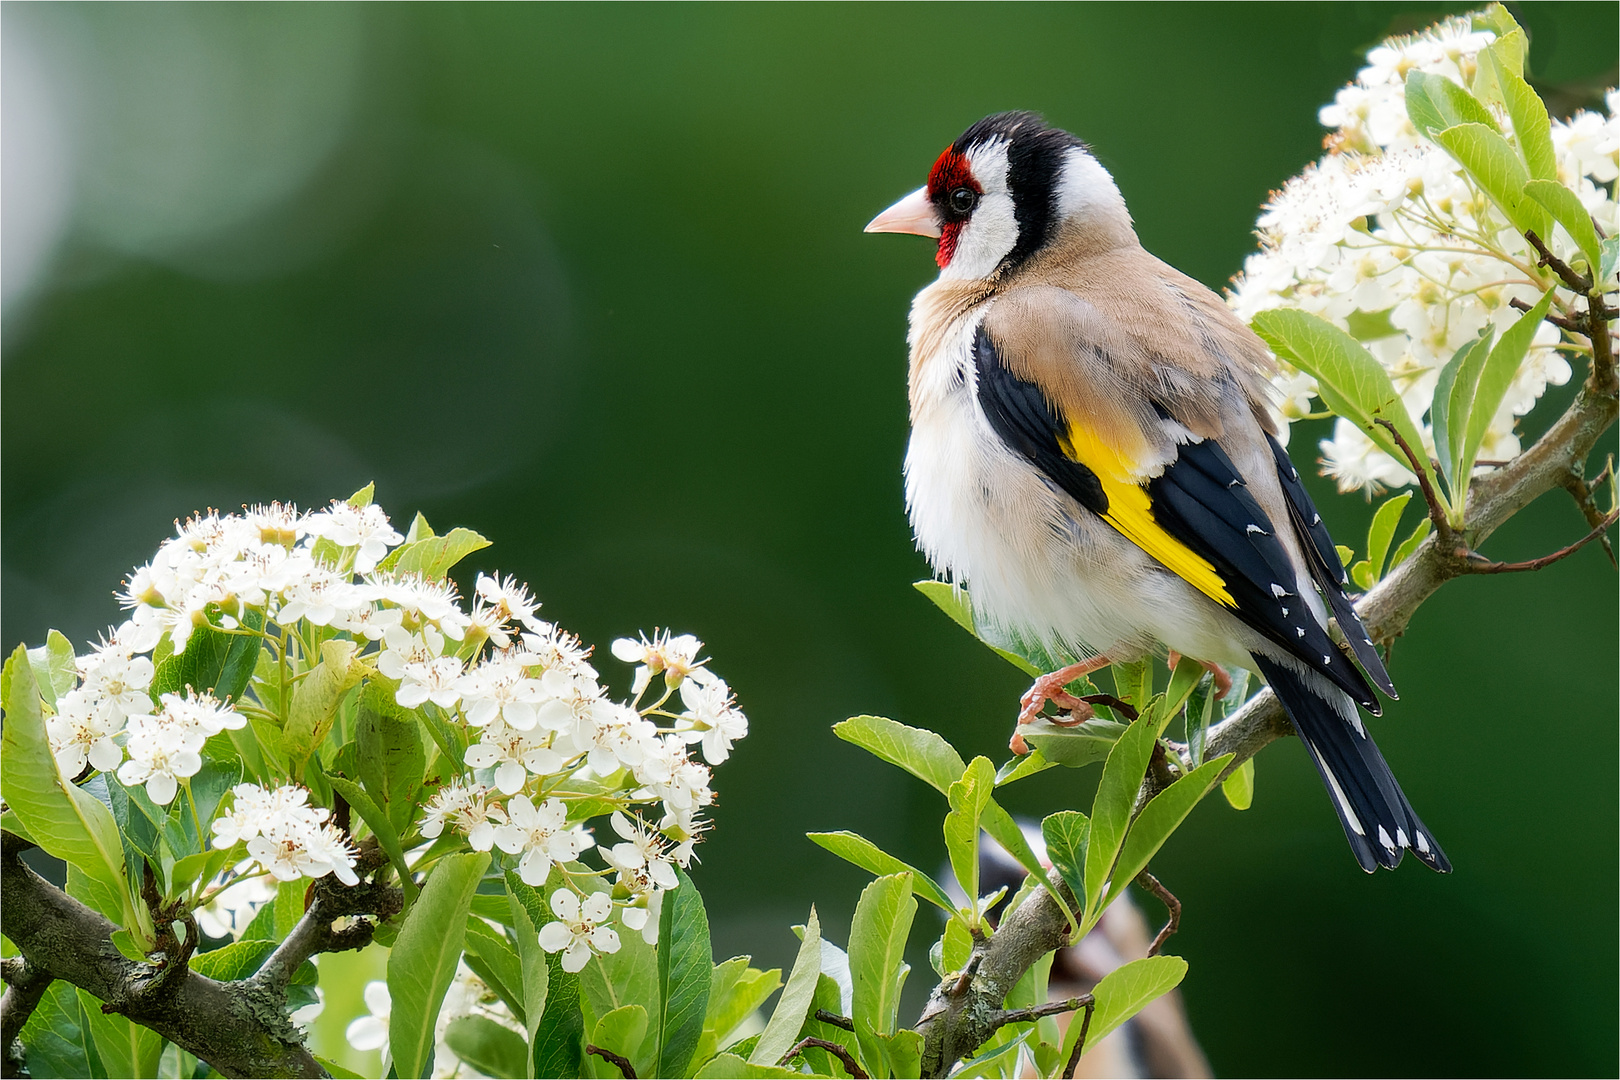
(591, 280)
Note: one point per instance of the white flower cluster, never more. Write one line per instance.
(1388, 238)
(287, 837)
(541, 713)
(548, 733)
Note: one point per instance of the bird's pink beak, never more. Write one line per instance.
(913, 214)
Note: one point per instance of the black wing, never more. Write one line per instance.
(1328, 570)
(1199, 499)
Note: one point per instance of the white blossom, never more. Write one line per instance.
(1387, 231)
(363, 528)
(541, 835)
(713, 716)
(580, 929)
(467, 808)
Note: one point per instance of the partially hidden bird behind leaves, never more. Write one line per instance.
(1092, 457)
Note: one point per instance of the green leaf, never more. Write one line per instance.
(536, 981)
(968, 797)
(433, 556)
(1434, 103)
(1017, 768)
(125, 1048)
(64, 820)
(493, 959)
(1410, 544)
(559, 1041)
(1567, 210)
(1349, 380)
(316, 698)
(1496, 376)
(1183, 681)
(1163, 814)
(877, 945)
(950, 599)
(214, 662)
(237, 960)
(488, 1047)
(857, 849)
(736, 990)
(1453, 396)
(1123, 992)
(1067, 833)
(903, 1051)
(1382, 531)
(333, 1069)
(1532, 130)
(782, 1030)
(1345, 554)
(1239, 787)
(58, 1039)
(392, 761)
(956, 945)
(1134, 681)
(1497, 170)
(612, 980)
(419, 530)
(1611, 257)
(1111, 809)
(1077, 746)
(685, 963)
(1370, 325)
(622, 1031)
(1010, 835)
(55, 667)
(363, 497)
(423, 959)
(381, 827)
(732, 1067)
(920, 752)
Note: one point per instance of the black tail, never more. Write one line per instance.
(1377, 819)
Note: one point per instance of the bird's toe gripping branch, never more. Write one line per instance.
(1052, 688)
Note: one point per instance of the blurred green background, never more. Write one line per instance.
(591, 280)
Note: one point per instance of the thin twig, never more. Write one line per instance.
(1172, 907)
(1437, 511)
(622, 1063)
(835, 1020)
(1080, 1043)
(1572, 325)
(850, 1064)
(1488, 567)
(1568, 276)
(1051, 1008)
(1582, 491)
(964, 980)
(1124, 708)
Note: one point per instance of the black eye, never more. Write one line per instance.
(963, 200)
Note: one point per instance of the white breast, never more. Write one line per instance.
(987, 519)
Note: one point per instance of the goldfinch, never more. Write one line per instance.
(1092, 457)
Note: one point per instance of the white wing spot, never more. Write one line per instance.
(1423, 843)
(1277, 590)
(1300, 630)
(1327, 659)
(1252, 529)
(1316, 519)
(1285, 613)
(1400, 838)
(1383, 838)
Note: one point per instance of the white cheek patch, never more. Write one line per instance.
(992, 231)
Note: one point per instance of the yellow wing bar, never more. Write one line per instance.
(1130, 510)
